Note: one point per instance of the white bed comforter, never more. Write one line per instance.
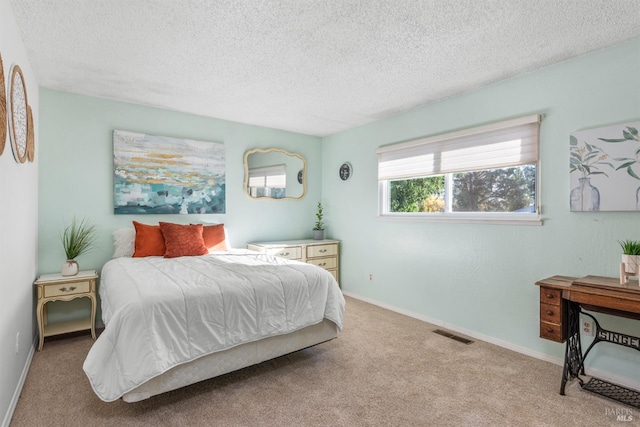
(159, 313)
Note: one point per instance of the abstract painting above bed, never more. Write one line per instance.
(163, 312)
(162, 175)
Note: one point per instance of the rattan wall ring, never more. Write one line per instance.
(31, 143)
(3, 109)
(18, 126)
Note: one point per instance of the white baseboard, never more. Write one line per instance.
(23, 377)
(603, 375)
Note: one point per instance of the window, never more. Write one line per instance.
(268, 181)
(486, 173)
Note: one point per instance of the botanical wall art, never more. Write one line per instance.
(605, 168)
(3, 110)
(162, 175)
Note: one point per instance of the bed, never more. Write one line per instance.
(172, 322)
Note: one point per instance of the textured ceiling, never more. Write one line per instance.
(311, 66)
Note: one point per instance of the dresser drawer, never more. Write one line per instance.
(293, 252)
(66, 289)
(326, 263)
(322, 250)
(550, 296)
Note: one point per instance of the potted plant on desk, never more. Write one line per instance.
(630, 259)
(77, 239)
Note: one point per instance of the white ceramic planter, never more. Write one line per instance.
(631, 263)
(70, 268)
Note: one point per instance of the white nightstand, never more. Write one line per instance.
(56, 287)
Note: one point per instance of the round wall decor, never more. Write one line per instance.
(345, 171)
(3, 110)
(18, 126)
(31, 142)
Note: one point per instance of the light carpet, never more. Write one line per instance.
(385, 369)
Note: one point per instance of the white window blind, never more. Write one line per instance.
(268, 177)
(497, 145)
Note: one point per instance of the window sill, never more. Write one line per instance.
(497, 219)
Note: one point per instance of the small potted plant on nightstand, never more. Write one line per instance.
(630, 259)
(77, 239)
(318, 229)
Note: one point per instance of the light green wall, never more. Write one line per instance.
(76, 177)
(18, 231)
(481, 277)
(475, 277)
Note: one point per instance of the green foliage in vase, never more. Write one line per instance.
(319, 215)
(78, 238)
(587, 159)
(629, 134)
(630, 247)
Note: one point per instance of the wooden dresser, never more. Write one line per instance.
(323, 253)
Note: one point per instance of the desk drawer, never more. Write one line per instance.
(551, 313)
(552, 331)
(550, 296)
(67, 289)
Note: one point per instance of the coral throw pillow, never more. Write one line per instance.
(214, 237)
(149, 240)
(182, 240)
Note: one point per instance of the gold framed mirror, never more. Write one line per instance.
(273, 173)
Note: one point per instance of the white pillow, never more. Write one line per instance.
(124, 242)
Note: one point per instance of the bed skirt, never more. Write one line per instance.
(235, 358)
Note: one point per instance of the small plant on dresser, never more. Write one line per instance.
(318, 229)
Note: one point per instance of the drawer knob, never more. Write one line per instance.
(550, 296)
(549, 330)
(550, 313)
(322, 251)
(284, 253)
(323, 264)
(64, 289)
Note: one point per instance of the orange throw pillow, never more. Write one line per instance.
(215, 237)
(182, 240)
(149, 240)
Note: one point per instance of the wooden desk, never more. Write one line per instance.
(563, 299)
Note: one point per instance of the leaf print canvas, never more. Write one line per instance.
(604, 168)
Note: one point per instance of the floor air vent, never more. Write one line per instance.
(453, 336)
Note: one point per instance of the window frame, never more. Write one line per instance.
(520, 218)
